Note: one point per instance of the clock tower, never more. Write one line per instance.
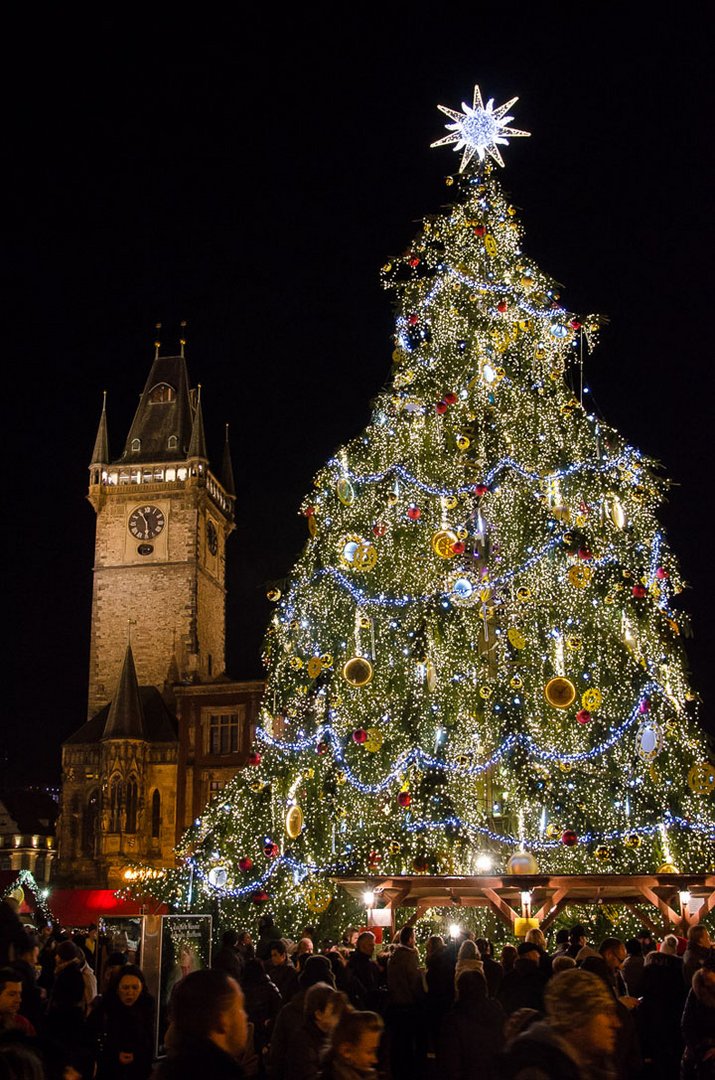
(163, 518)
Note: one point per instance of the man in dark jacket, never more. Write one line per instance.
(322, 1008)
(281, 971)
(523, 988)
(317, 970)
(472, 1031)
(366, 973)
(208, 1028)
(228, 958)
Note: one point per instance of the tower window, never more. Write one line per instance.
(172, 443)
(161, 394)
(223, 732)
(136, 445)
(115, 805)
(156, 815)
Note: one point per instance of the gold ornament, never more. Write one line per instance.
(296, 663)
(443, 543)
(522, 862)
(701, 778)
(592, 699)
(374, 740)
(273, 595)
(345, 491)
(357, 671)
(490, 245)
(633, 840)
(527, 282)
(516, 637)
(358, 554)
(574, 642)
(449, 502)
(560, 692)
(463, 442)
(523, 594)
(486, 691)
(294, 822)
(312, 525)
(667, 868)
(318, 897)
(364, 622)
(602, 853)
(616, 513)
(561, 513)
(579, 576)
(314, 667)
(393, 847)
(326, 660)
(516, 682)
(552, 831)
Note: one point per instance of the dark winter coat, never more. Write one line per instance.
(366, 982)
(541, 1054)
(695, 957)
(262, 1002)
(288, 1023)
(123, 1029)
(198, 1058)
(658, 1016)
(523, 988)
(470, 1040)
(698, 1027)
(404, 976)
(632, 972)
(229, 960)
(32, 1006)
(285, 978)
(306, 1051)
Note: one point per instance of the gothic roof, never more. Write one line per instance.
(197, 446)
(227, 480)
(155, 421)
(159, 725)
(100, 454)
(125, 719)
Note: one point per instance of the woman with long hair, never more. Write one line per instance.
(123, 1024)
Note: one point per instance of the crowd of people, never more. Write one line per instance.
(359, 1009)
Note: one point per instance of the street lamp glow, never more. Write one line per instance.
(454, 931)
(484, 863)
(368, 898)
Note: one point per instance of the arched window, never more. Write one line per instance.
(115, 805)
(156, 815)
(90, 821)
(75, 816)
(136, 445)
(161, 394)
(132, 796)
(172, 443)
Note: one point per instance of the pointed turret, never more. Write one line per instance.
(197, 446)
(125, 719)
(100, 454)
(227, 480)
(162, 425)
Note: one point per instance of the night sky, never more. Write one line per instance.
(250, 174)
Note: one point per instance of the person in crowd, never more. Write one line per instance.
(698, 1027)
(508, 958)
(698, 953)
(228, 958)
(262, 1002)
(536, 937)
(267, 933)
(20, 1061)
(244, 946)
(365, 988)
(115, 962)
(11, 1018)
(439, 963)
(317, 970)
(648, 943)
(562, 963)
(64, 1026)
(577, 940)
(562, 943)
(632, 969)
(280, 971)
(472, 1031)
(90, 946)
(523, 987)
(32, 1006)
(322, 1008)
(209, 1028)
(406, 991)
(350, 937)
(493, 972)
(303, 950)
(353, 1052)
(123, 1025)
(12, 934)
(89, 978)
(576, 1039)
(613, 951)
(662, 995)
(627, 1053)
(468, 959)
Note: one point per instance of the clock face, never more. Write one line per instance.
(146, 522)
(211, 537)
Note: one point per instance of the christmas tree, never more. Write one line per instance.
(477, 661)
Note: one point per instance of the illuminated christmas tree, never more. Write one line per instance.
(476, 663)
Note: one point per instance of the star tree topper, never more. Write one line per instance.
(480, 129)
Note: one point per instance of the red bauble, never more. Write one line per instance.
(575, 324)
(480, 489)
(458, 547)
(451, 398)
(359, 735)
(661, 574)
(585, 554)
(569, 838)
(639, 591)
(441, 407)
(413, 320)
(414, 261)
(644, 706)
(414, 513)
(271, 849)
(404, 799)
(260, 897)
(480, 230)
(502, 306)
(309, 511)
(379, 528)
(374, 859)
(321, 748)
(254, 758)
(583, 716)
(245, 864)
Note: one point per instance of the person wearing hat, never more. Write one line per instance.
(317, 969)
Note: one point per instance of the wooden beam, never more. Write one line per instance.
(665, 909)
(553, 901)
(554, 914)
(643, 919)
(500, 907)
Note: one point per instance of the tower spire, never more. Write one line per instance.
(197, 446)
(125, 719)
(182, 339)
(100, 454)
(157, 342)
(227, 480)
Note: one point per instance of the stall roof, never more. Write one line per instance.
(79, 907)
